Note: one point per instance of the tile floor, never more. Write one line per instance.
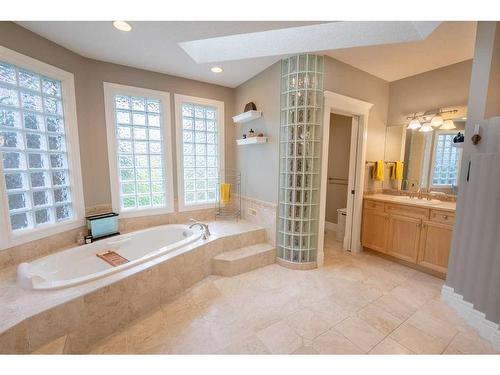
(354, 304)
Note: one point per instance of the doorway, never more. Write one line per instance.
(339, 146)
(358, 111)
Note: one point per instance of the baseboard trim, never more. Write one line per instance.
(331, 226)
(484, 327)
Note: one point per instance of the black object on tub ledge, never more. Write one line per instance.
(103, 225)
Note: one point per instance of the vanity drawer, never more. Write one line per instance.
(416, 212)
(444, 217)
(374, 205)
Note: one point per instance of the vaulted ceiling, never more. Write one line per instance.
(389, 50)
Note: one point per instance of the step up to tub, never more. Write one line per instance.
(234, 262)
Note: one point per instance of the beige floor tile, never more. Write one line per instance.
(417, 340)
(249, 345)
(333, 342)
(379, 318)
(395, 306)
(54, 347)
(116, 344)
(307, 323)
(349, 306)
(390, 346)
(360, 333)
(279, 338)
(470, 343)
(204, 292)
(438, 328)
(306, 350)
(329, 311)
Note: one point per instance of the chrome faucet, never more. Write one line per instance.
(203, 227)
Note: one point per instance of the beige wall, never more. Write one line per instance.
(89, 78)
(439, 88)
(338, 164)
(258, 164)
(346, 80)
(474, 264)
(493, 101)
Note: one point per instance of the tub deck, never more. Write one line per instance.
(19, 307)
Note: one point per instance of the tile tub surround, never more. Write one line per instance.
(355, 304)
(89, 312)
(265, 215)
(55, 243)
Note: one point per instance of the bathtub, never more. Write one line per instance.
(80, 264)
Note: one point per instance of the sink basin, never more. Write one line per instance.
(407, 199)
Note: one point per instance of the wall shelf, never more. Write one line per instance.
(247, 116)
(251, 141)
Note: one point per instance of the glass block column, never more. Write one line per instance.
(300, 162)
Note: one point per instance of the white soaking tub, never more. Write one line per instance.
(80, 264)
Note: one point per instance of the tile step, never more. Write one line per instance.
(244, 259)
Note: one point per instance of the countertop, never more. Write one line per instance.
(447, 206)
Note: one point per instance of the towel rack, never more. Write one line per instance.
(232, 209)
(337, 181)
(385, 162)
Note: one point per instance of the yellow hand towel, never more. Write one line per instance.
(225, 193)
(378, 171)
(397, 170)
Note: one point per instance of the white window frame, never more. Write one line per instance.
(110, 90)
(179, 100)
(8, 238)
(434, 148)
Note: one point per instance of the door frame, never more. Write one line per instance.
(360, 111)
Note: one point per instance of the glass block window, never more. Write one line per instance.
(139, 140)
(200, 153)
(446, 161)
(33, 149)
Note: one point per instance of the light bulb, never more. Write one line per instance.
(448, 125)
(437, 121)
(426, 128)
(414, 124)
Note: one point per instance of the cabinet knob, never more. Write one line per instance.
(445, 217)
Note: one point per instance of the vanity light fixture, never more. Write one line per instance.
(437, 121)
(426, 127)
(414, 124)
(122, 25)
(216, 69)
(448, 125)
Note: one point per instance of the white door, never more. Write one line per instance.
(352, 185)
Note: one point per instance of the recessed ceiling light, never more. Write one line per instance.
(122, 25)
(216, 69)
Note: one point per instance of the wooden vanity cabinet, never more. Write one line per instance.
(403, 238)
(416, 235)
(435, 245)
(374, 229)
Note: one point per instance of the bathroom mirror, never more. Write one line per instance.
(430, 161)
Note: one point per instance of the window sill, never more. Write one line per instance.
(194, 207)
(145, 212)
(39, 233)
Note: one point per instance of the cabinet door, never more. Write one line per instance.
(404, 236)
(435, 246)
(374, 229)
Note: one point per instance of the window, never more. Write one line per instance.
(39, 149)
(446, 160)
(200, 145)
(139, 149)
